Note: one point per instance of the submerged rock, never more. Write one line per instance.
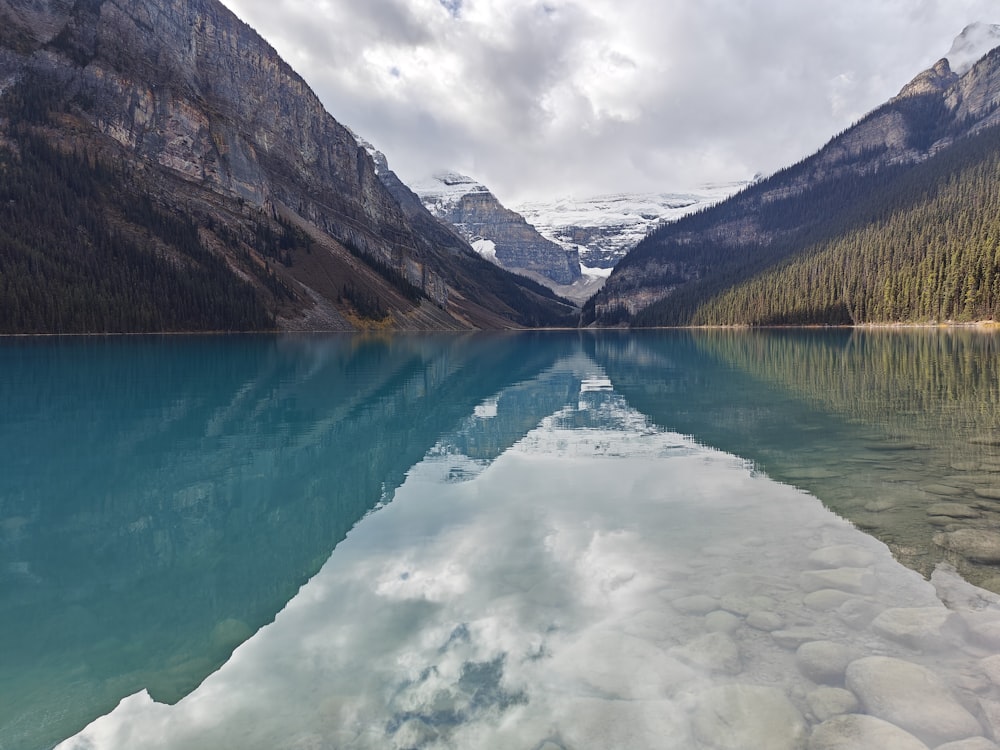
(860, 732)
(722, 622)
(911, 697)
(953, 510)
(795, 637)
(852, 580)
(924, 628)
(739, 717)
(826, 702)
(824, 662)
(979, 545)
(714, 651)
(826, 599)
(766, 621)
(699, 604)
(973, 743)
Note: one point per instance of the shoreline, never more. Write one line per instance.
(980, 325)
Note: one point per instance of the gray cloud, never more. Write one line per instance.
(548, 98)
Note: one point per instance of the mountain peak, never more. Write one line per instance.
(975, 41)
(445, 189)
(935, 79)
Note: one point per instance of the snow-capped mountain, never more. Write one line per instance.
(444, 190)
(495, 231)
(975, 41)
(605, 227)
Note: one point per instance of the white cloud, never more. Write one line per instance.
(543, 97)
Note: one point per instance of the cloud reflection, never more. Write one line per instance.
(559, 598)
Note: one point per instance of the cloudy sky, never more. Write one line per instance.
(546, 98)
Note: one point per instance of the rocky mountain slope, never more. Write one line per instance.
(495, 231)
(197, 155)
(681, 266)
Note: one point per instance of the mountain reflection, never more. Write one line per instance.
(163, 498)
(898, 431)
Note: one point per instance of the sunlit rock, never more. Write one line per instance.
(860, 732)
(738, 717)
(912, 697)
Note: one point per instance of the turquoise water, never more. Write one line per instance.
(531, 540)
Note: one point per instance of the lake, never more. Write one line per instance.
(550, 541)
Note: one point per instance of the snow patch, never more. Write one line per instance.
(443, 190)
(596, 273)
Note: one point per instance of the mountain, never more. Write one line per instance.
(603, 228)
(161, 168)
(495, 231)
(892, 220)
(975, 41)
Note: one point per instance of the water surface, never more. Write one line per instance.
(539, 541)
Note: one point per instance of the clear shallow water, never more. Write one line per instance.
(545, 550)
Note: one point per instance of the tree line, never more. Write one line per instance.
(914, 244)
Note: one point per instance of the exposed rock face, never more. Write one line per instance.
(496, 231)
(932, 81)
(185, 88)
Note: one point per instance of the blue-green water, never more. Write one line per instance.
(556, 540)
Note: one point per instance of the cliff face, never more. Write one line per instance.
(495, 230)
(195, 100)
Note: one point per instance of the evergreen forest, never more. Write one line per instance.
(914, 244)
(69, 264)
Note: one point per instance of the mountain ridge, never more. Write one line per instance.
(774, 219)
(185, 106)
